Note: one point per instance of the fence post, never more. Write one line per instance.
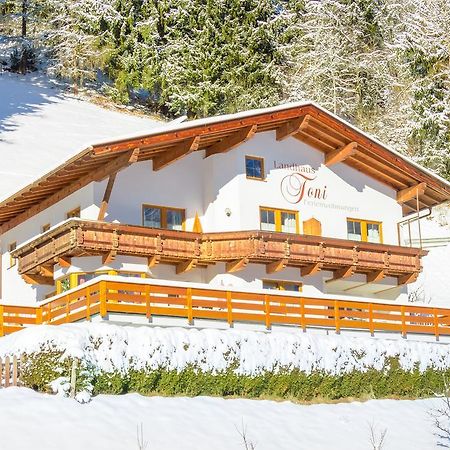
(67, 308)
(148, 312)
(371, 325)
(7, 371)
(38, 314)
(229, 309)
(267, 311)
(2, 331)
(302, 312)
(102, 294)
(337, 317)
(189, 305)
(436, 324)
(14, 382)
(73, 378)
(88, 303)
(402, 309)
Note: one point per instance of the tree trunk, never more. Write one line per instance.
(24, 17)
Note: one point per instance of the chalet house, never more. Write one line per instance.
(290, 198)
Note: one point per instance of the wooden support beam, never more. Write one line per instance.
(376, 275)
(237, 138)
(64, 261)
(411, 192)
(109, 257)
(340, 154)
(185, 266)
(46, 271)
(118, 163)
(407, 278)
(276, 266)
(292, 127)
(170, 156)
(236, 265)
(106, 197)
(311, 269)
(343, 272)
(37, 279)
(153, 261)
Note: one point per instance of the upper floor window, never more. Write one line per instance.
(280, 220)
(364, 230)
(291, 286)
(12, 247)
(73, 213)
(163, 217)
(254, 167)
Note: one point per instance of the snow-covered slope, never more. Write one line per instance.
(37, 421)
(41, 126)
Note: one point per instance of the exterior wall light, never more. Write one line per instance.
(228, 212)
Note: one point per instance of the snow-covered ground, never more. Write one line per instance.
(38, 421)
(41, 126)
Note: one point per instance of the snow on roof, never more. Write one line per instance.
(41, 127)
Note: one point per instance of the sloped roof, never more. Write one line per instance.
(322, 130)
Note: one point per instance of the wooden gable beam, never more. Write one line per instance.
(340, 154)
(311, 269)
(376, 275)
(118, 163)
(292, 127)
(170, 156)
(276, 266)
(185, 266)
(411, 192)
(236, 265)
(46, 271)
(237, 138)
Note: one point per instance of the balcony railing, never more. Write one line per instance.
(106, 296)
(237, 249)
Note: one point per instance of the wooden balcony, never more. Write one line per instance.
(187, 250)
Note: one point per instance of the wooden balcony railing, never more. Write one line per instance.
(237, 249)
(108, 295)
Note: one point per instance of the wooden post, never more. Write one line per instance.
(88, 303)
(229, 309)
(436, 324)
(7, 371)
(267, 311)
(189, 305)
(1, 372)
(148, 312)
(67, 308)
(337, 317)
(302, 312)
(14, 382)
(38, 312)
(73, 378)
(371, 325)
(102, 294)
(402, 309)
(106, 197)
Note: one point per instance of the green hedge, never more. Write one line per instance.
(393, 382)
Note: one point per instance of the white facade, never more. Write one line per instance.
(217, 189)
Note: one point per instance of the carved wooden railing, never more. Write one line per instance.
(81, 237)
(112, 295)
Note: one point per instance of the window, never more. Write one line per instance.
(291, 286)
(364, 230)
(73, 213)
(12, 247)
(254, 167)
(162, 217)
(280, 220)
(45, 228)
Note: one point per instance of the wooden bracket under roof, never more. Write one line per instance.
(411, 192)
(407, 278)
(276, 266)
(340, 154)
(292, 127)
(311, 269)
(181, 149)
(343, 272)
(237, 138)
(236, 265)
(185, 266)
(376, 275)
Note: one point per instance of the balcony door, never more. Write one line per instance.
(163, 217)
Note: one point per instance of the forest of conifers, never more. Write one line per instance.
(383, 65)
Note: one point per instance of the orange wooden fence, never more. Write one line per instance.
(107, 296)
(9, 371)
